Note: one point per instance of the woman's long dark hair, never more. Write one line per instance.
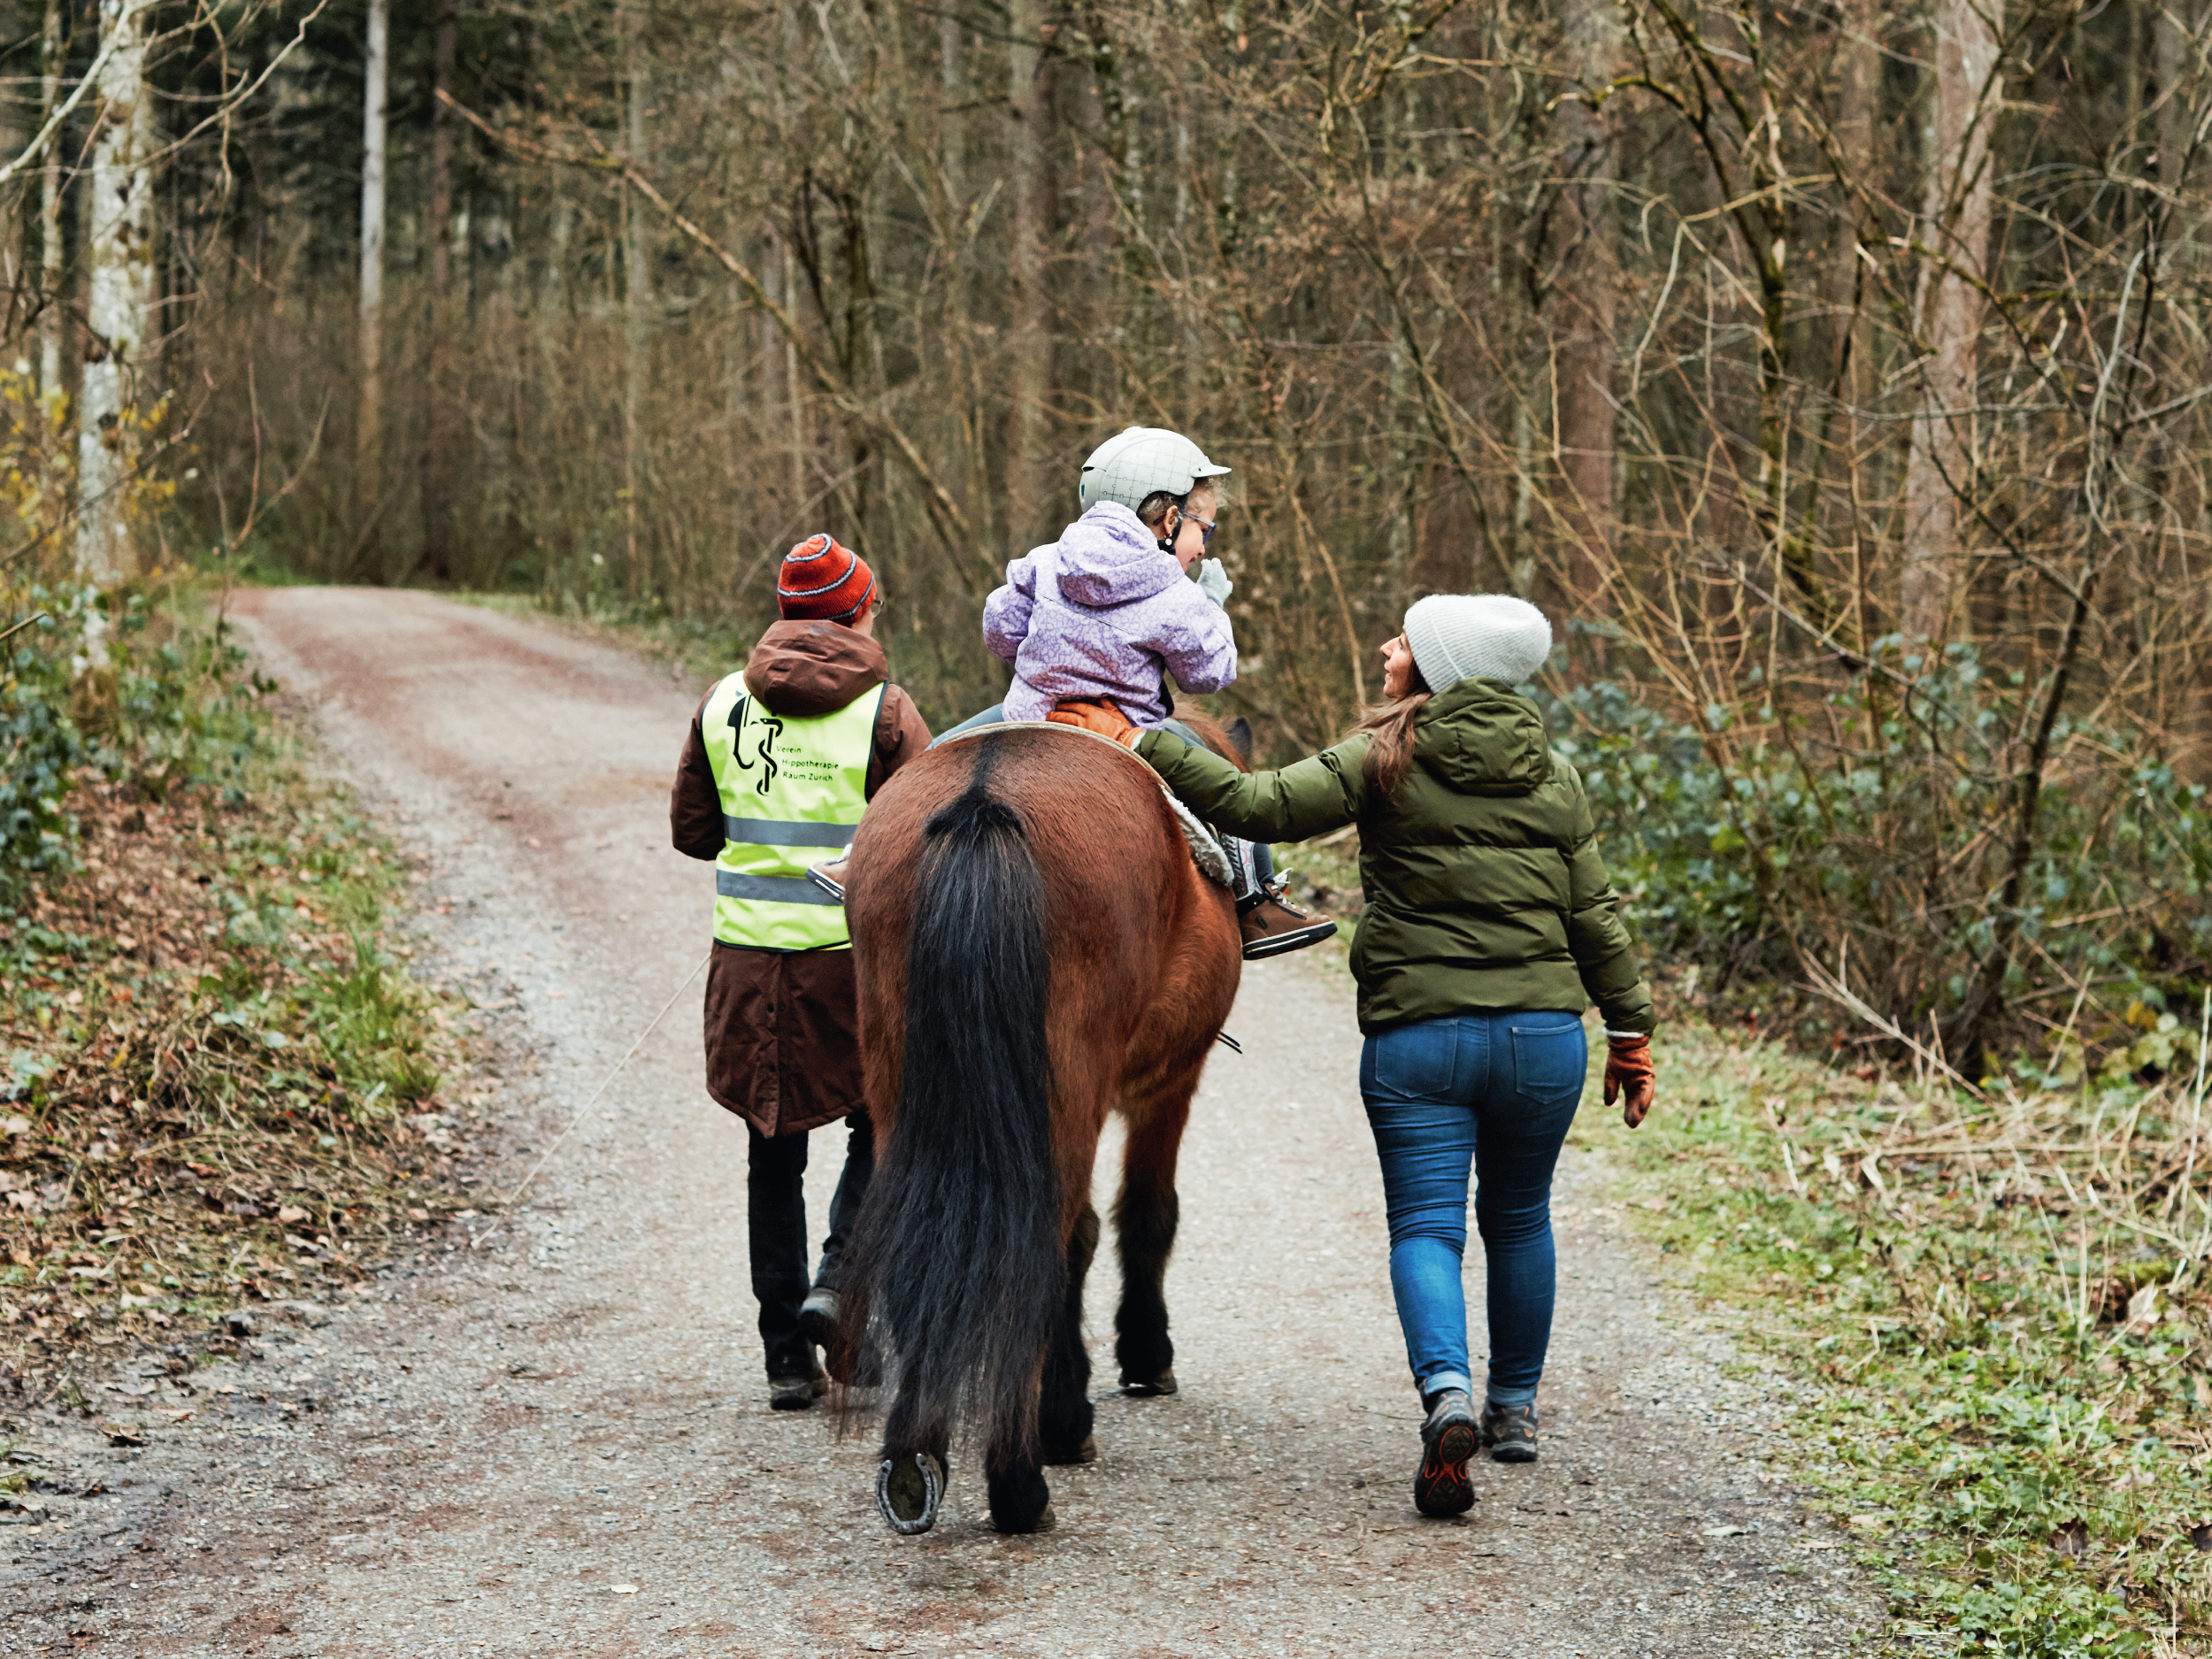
(1390, 754)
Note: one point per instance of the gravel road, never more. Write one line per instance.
(559, 1442)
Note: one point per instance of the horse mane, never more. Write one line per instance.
(1232, 741)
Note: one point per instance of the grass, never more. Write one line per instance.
(217, 1080)
(1997, 1306)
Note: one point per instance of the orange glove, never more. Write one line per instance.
(1628, 1076)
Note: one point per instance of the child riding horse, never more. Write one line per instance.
(1035, 948)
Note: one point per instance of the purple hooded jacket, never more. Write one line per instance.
(1098, 614)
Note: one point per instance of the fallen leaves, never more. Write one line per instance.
(199, 1103)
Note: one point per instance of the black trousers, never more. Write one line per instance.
(775, 1227)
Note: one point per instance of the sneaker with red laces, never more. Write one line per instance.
(1441, 1488)
(1510, 1432)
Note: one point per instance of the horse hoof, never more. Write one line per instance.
(1144, 1387)
(1045, 1522)
(908, 1491)
(1060, 1456)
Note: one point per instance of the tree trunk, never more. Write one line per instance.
(119, 259)
(2176, 28)
(1938, 486)
(369, 435)
(1858, 85)
(1583, 301)
(950, 52)
(636, 300)
(437, 545)
(51, 314)
(1029, 342)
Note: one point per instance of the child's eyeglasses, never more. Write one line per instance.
(1205, 530)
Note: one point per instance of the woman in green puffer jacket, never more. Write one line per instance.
(1490, 925)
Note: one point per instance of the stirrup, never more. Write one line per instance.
(1313, 932)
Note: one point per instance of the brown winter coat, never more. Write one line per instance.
(783, 1039)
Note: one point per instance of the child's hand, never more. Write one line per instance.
(1214, 582)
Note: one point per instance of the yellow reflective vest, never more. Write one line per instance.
(793, 790)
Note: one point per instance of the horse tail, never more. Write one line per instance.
(962, 1264)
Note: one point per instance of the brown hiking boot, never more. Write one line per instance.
(1272, 924)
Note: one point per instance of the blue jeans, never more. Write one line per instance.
(1496, 1091)
(991, 716)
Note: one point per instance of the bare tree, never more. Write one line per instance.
(120, 273)
(636, 293)
(1029, 342)
(51, 50)
(1585, 294)
(369, 438)
(437, 505)
(1962, 100)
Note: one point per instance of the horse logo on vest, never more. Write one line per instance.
(770, 728)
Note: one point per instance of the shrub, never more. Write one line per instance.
(39, 750)
(1869, 835)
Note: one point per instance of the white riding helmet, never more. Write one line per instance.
(1140, 461)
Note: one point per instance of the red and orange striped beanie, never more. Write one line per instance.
(822, 582)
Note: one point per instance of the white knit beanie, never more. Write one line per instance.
(1463, 636)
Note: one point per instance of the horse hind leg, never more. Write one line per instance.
(1020, 1500)
(1145, 1217)
(1064, 1416)
(910, 1479)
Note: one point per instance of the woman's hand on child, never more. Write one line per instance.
(1628, 1076)
(1131, 738)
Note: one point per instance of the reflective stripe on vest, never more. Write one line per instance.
(793, 789)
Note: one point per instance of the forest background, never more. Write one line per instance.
(1837, 373)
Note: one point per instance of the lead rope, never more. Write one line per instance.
(507, 1208)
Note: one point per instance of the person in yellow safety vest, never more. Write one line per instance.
(781, 762)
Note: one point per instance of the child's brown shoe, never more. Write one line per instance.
(1272, 926)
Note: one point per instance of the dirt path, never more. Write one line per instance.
(560, 1442)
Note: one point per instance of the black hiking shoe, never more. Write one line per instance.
(1273, 926)
(1510, 1432)
(1441, 1488)
(796, 1394)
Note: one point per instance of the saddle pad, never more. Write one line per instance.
(1205, 851)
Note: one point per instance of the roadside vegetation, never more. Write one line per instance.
(218, 1083)
(1997, 1301)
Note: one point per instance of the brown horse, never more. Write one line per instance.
(1035, 948)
